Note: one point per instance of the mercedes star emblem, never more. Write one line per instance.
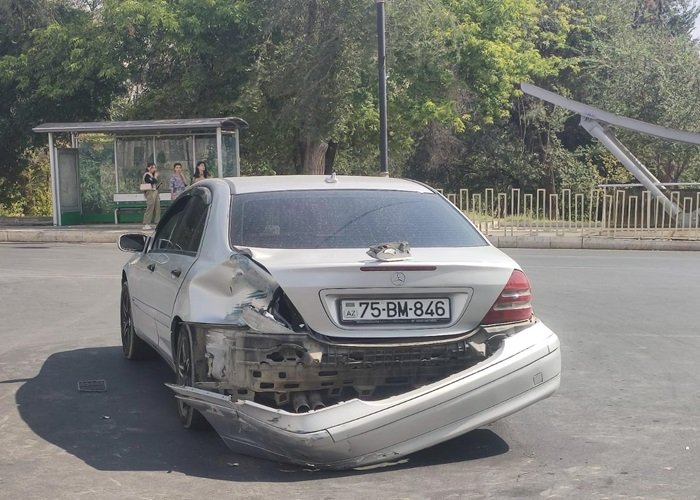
(398, 279)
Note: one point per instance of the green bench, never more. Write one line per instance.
(133, 202)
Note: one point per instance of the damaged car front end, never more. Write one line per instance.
(326, 347)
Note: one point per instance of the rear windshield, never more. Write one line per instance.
(348, 219)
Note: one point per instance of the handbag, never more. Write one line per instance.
(146, 187)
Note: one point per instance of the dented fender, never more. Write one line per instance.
(222, 293)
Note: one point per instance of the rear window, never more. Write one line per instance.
(347, 219)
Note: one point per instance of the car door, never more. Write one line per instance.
(174, 251)
(139, 287)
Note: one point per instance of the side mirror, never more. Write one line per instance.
(132, 242)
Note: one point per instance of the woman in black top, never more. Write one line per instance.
(200, 172)
(152, 214)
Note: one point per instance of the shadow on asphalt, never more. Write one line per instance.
(132, 426)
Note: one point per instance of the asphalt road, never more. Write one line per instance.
(624, 424)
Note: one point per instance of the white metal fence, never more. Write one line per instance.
(611, 211)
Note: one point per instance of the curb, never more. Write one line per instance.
(59, 236)
(591, 243)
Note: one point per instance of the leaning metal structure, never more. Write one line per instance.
(598, 123)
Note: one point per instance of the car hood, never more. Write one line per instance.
(317, 280)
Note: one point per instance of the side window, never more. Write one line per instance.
(165, 239)
(188, 234)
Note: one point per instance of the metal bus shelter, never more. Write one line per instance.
(98, 166)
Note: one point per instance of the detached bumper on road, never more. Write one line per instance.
(357, 433)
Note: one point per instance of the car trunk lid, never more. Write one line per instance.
(438, 291)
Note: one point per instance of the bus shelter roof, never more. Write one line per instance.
(152, 126)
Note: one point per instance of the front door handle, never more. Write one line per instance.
(176, 273)
(151, 267)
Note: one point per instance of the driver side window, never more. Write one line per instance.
(165, 237)
(183, 225)
(188, 233)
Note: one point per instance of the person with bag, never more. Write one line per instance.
(149, 186)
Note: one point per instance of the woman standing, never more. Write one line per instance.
(152, 213)
(200, 172)
(177, 181)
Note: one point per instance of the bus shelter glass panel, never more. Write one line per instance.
(97, 182)
(205, 150)
(171, 150)
(132, 155)
(229, 146)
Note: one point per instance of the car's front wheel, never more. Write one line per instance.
(133, 346)
(185, 374)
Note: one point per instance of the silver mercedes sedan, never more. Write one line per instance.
(333, 322)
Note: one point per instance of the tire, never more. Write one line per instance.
(185, 374)
(133, 346)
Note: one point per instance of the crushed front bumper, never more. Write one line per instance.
(357, 433)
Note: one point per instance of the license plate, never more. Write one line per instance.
(432, 310)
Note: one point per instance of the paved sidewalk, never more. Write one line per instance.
(108, 233)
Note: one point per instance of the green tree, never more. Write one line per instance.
(52, 68)
(638, 60)
(180, 59)
(304, 74)
(14, 38)
(310, 80)
(495, 46)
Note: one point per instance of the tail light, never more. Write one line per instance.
(514, 302)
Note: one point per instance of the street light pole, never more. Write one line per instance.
(381, 63)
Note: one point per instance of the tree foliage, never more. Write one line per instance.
(304, 74)
(178, 59)
(51, 69)
(309, 79)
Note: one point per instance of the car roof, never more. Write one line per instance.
(259, 184)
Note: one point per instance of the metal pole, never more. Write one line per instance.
(219, 153)
(237, 152)
(116, 168)
(53, 170)
(381, 63)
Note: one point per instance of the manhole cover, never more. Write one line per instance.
(92, 385)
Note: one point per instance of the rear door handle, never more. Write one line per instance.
(151, 267)
(176, 273)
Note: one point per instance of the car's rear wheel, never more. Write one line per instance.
(133, 346)
(185, 374)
